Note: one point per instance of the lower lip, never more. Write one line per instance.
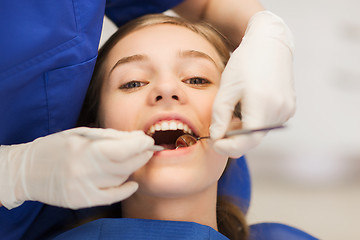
(175, 152)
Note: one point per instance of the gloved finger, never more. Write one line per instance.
(237, 146)
(121, 150)
(116, 194)
(99, 133)
(229, 94)
(261, 109)
(108, 180)
(91, 196)
(222, 114)
(129, 165)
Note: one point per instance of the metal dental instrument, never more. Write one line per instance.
(188, 140)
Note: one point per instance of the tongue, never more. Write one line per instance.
(168, 146)
(167, 138)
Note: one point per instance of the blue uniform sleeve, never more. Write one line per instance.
(14, 223)
(48, 51)
(122, 11)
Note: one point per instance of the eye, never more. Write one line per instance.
(132, 85)
(197, 81)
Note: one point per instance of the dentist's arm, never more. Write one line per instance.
(68, 169)
(231, 17)
(258, 74)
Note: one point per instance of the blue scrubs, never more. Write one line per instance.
(47, 54)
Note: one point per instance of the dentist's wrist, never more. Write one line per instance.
(9, 178)
(268, 24)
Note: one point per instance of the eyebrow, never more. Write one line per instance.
(129, 59)
(198, 54)
(183, 54)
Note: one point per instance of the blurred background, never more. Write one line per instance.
(308, 175)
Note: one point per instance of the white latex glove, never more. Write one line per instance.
(68, 170)
(259, 75)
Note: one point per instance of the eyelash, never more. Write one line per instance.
(130, 85)
(203, 81)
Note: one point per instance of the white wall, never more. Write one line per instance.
(327, 76)
(309, 174)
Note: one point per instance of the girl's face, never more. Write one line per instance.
(162, 80)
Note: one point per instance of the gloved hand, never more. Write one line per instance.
(259, 75)
(68, 169)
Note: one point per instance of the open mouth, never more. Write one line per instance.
(167, 133)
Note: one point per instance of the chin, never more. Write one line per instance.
(186, 174)
(175, 184)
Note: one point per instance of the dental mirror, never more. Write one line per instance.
(187, 140)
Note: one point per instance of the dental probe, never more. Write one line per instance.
(246, 131)
(187, 140)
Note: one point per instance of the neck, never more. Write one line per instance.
(199, 208)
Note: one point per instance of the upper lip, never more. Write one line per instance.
(170, 116)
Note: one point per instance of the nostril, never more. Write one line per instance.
(175, 97)
(158, 98)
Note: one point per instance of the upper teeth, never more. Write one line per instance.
(169, 125)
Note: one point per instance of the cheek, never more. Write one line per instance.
(203, 104)
(119, 114)
(216, 164)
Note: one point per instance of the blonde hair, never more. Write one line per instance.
(89, 113)
(231, 221)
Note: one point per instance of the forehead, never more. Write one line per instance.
(161, 40)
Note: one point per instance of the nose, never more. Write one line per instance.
(167, 92)
(159, 97)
